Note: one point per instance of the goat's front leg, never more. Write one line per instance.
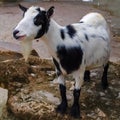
(62, 107)
(75, 109)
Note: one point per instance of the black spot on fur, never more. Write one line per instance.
(71, 31)
(98, 36)
(86, 37)
(62, 34)
(93, 36)
(38, 9)
(81, 22)
(70, 58)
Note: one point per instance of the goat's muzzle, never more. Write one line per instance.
(16, 36)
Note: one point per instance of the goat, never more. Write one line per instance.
(76, 48)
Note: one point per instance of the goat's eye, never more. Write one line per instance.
(37, 20)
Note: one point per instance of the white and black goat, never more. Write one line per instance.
(75, 48)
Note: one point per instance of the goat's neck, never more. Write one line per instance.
(53, 32)
(52, 37)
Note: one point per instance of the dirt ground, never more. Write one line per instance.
(33, 94)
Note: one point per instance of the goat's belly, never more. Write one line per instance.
(95, 63)
(96, 58)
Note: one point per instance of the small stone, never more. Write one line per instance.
(51, 73)
(111, 87)
(83, 104)
(26, 91)
(55, 81)
(93, 84)
(72, 86)
(92, 115)
(118, 97)
(100, 113)
(3, 99)
(32, 74)
(107, 103)
(98, 118)
(93, 74)
(102, 94)
(90, 91)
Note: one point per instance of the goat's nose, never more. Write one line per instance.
(15, 34)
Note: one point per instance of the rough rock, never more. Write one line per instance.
(3, 99)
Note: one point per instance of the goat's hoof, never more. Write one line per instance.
(87, 79)
(75, 111)
(105, 86)
(62, 108)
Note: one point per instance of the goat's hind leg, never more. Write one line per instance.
(104, 80)
(87, 75)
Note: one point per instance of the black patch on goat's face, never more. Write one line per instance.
(62, 33)
(71, 30)
(41, 19)
(44, 21)
(70, 58)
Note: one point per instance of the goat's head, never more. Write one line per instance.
(34, 24)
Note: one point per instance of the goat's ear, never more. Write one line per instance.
(50, 11)
(24, 9)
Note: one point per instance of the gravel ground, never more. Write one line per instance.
(33, 94)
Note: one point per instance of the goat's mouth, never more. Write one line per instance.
(20, 37)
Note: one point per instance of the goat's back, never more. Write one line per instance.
(94, 19)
